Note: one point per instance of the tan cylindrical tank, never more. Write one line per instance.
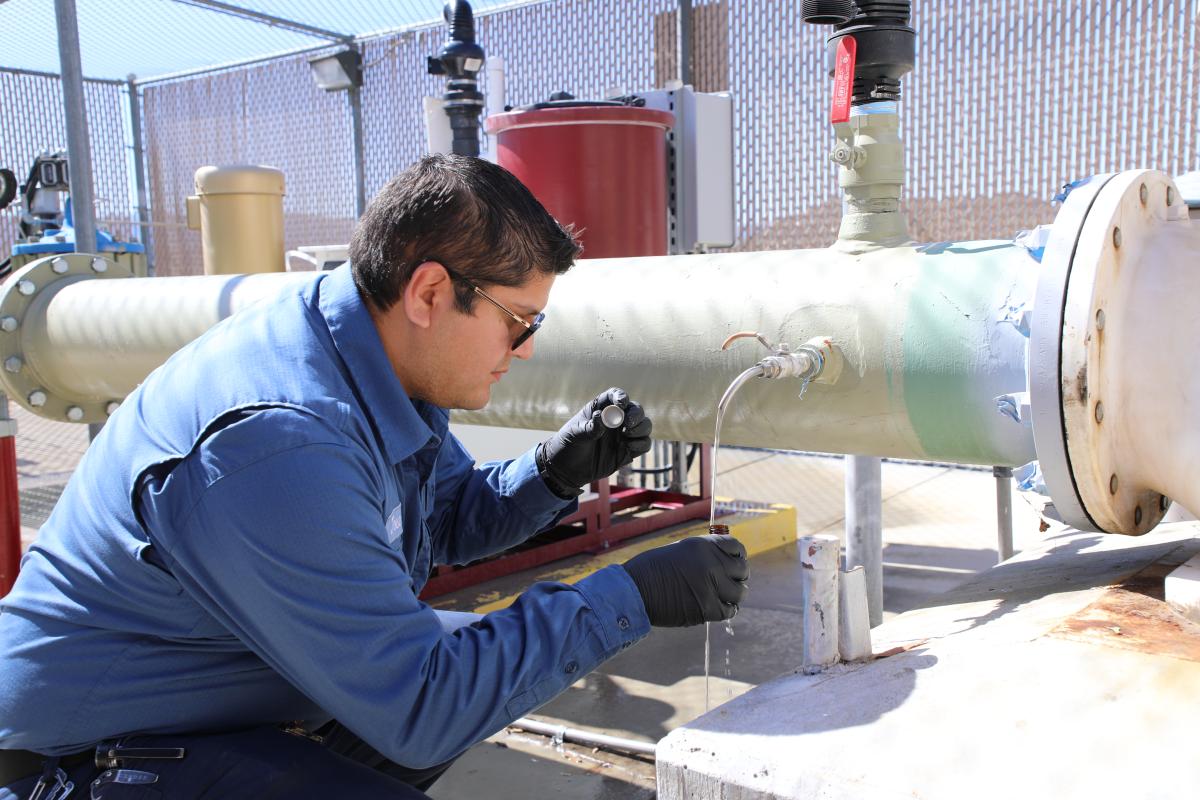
(239, 213)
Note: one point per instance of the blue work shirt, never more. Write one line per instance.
(244, 543)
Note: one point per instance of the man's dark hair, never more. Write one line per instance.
(471, 216)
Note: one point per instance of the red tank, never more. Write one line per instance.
(601, 168)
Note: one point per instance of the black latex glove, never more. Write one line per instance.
(694, 580)
(584, 450)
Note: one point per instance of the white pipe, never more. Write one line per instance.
(819, 596)
(864, 527)
(561, 733)
(925, 353)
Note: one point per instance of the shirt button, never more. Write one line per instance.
(572, 668)
(623, 623)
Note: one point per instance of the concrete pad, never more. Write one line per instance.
(1059, 674)
(1182, 589)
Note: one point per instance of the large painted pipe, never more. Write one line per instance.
(925, 350)
(931, 337)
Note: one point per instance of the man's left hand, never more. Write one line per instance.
(585, 450)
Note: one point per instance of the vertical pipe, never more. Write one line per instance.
(819, 593)
(679, 472)
(1004, 528)
(10, 507)
(139, 170)
(684, 39)
(75, 110)
(854, 622)
(354, 96)
(864, 527)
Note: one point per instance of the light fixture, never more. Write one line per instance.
(334, 72)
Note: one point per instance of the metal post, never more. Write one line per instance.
(864, 527)
(139, 170)
(819, 592)
(685, 42)
(354, 94)
(1004, 527)
(10, 506)
(75, 110)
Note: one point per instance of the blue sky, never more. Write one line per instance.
(148, 38)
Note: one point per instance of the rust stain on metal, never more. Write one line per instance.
(1129, 619)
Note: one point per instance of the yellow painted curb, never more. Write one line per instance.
(759, 529)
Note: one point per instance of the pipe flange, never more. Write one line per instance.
(1045, 351)
(1123, 220)
(1093, 423)
(31, 287)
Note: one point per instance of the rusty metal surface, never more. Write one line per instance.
(1134, 616)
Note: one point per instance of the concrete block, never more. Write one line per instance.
(1183, 589)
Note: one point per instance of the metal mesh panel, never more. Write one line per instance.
(1002, 109)
(271, 114)
(32, 121)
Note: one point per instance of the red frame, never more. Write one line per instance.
(599, 531)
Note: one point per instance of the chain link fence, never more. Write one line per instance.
(1006, 103)
(32, 123)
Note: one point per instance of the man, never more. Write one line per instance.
(224, 601)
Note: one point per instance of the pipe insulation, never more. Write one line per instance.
(920, 329)
(78, 332)
(926, 351)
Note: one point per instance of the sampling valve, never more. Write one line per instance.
(818, 359)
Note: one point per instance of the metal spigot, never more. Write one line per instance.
(807, 362)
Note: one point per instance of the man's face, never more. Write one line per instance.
(476, 348)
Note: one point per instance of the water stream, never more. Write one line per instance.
(753, 372)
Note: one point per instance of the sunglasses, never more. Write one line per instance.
(530, 327)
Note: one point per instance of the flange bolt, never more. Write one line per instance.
(37, 398)
(8, 324)
(99, 265)
(74, 413)
(59, 265)
(26, 287)
(13, 364)
(112, 407)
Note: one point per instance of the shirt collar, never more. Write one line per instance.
(404, 425)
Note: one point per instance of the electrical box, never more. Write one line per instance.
(699, 167)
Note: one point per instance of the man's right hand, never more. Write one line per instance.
(694, 580)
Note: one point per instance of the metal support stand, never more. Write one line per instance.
(10, 501)
(1004, 527)
(139, 171)
(864, 527)
(354, 97)
(79, 151)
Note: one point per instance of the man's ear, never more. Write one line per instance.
(426, 293)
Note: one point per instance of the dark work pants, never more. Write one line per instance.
(257, 764)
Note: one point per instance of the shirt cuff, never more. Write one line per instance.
(532, 496)
(615, 600)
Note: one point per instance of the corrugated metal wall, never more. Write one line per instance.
(1008, 101)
